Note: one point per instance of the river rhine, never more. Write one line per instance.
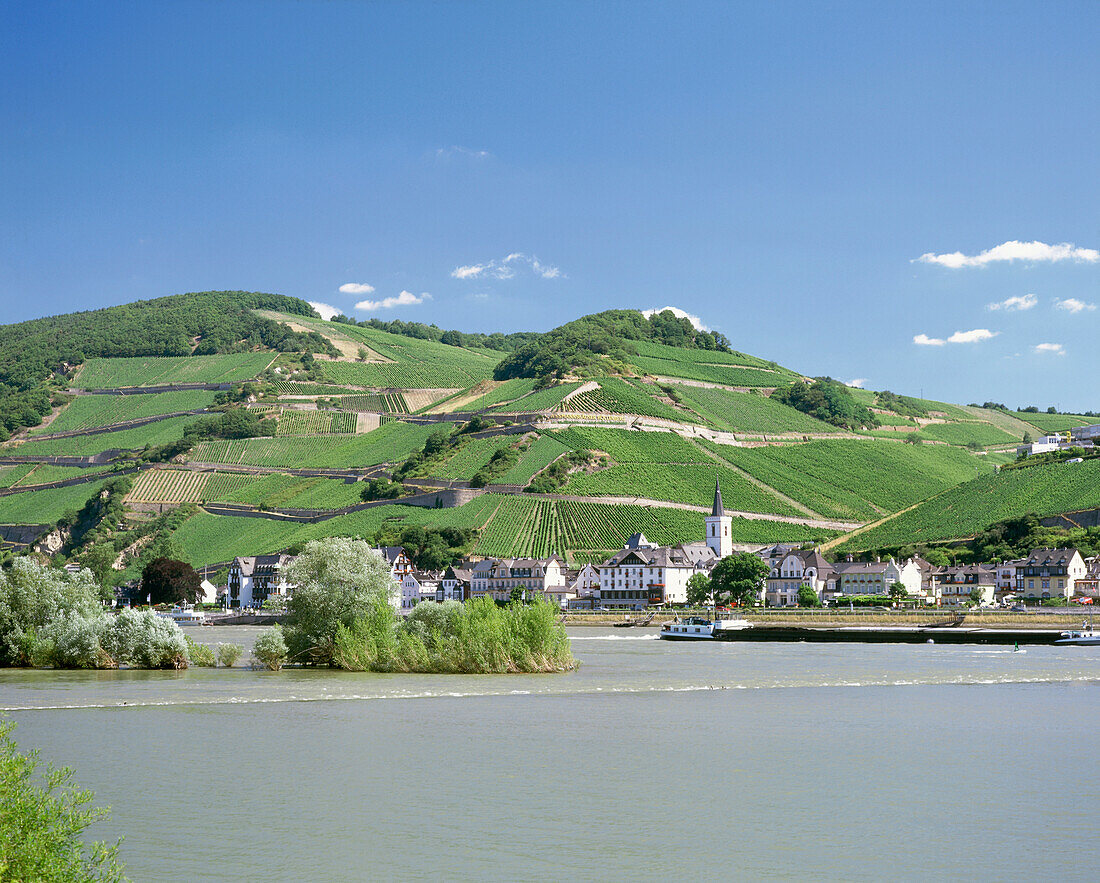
(654, 760)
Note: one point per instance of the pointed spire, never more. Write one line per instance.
(717, 510)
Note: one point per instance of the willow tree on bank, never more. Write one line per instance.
(342, 615)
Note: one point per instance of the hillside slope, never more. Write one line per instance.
(608, 436)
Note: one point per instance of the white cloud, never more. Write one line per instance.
(975, 336)
(505, 269)
(325, 311)
(1014, 250)
(1073, 305)
(481, 295)
(356, 288)
(1016, 304)
(1055, 349)
(856, 383)
(925, 340)
(404, 299)
(457, 150)
(696, 322)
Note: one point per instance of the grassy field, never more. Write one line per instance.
(966, 433)
(679, 484)
(471, 455)
(390, 442)
(746, 412)
(848, 479)
(631, 446)
(88, 412)
(158, 433)
(153, 371)
(731, 369)
(12, 475)
(543, 451)
(1050, 423)
(46, 507)
(968, 508)
(419, 364)
(44, 473)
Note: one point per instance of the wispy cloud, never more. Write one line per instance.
(1054, 349)
(856, 382)
(404, 299)
(696, 322)
(974, 336)
(356, 288)
(1073, 305)
(325, 311)
(458, 151)
(1014, 250)
(1015, 304)
(506, 268)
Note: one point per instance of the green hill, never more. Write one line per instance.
(620, 422)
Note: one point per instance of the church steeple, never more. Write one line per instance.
(717, 510)
(719, 525)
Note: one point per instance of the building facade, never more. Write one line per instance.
(253, 578)
(794, 570)
(1050, 573)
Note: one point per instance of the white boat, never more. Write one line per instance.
(697, 628)
(185, 616)
(1085, 637)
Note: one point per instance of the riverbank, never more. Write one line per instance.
(1042, 619)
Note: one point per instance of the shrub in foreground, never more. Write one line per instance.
(228, 654)
(270, 649)
(42, 815)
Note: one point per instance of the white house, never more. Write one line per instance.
(797, 569)
(1044, 445)
(253, 578)
(418, 586)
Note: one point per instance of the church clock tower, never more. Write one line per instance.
(719, 526)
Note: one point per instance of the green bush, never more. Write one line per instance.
(270, 649)
(228, 654)
(201, 655)
(42, 817)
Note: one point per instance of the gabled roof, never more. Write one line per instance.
(1050, 557)
(250, 564)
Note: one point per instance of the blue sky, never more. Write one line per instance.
(778, 170)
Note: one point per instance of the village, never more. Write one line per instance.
(644, 576)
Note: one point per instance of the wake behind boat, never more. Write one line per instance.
(698, 628)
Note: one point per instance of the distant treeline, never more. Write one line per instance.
(503, 342)
(202, 323)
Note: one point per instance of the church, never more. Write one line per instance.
(643, 574)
